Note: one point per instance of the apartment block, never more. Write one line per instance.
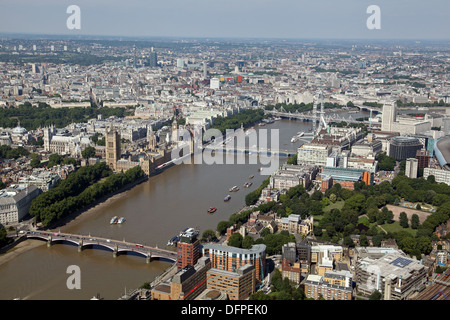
(333, 285)
(238, 285)
(231, 258)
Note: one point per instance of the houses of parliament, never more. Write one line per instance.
(148, 156)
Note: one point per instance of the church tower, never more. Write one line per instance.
(151, 138)
(174, 131)
(113, 152)
(48, 134)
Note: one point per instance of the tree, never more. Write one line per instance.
(363, 241)
(376, 295)
(247, 242)
(54, 160)
(35, 161)
(333, 198)
(415, 222)
(88, 152)
(209, 235)
(222, 226)
(404, 220)
(235, 240)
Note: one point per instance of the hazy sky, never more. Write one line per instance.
(340, 19)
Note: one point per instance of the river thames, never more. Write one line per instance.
(155, 211)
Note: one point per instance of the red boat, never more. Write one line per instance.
(212, 210)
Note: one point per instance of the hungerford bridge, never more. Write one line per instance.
(115, 246)
(309, 116)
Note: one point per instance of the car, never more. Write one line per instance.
(108, 240)
(139, 246)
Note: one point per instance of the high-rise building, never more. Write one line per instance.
(389, 116)
(180, 63)
(412, 165)
(188, 249)
(153, 60)
(113, 151)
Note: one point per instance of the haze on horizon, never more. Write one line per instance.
(296, 19)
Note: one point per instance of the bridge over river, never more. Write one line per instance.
(115, 246)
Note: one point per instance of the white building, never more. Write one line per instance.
(15, 202)
(313, 154)
(412, 165)
(440, 175)
(391, 123)
(214, 83)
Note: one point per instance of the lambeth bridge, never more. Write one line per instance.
(115, 246)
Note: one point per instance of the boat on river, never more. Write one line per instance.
(212, 209)
(234, 189)
(173, 241)
(114, 220)
(227, 198)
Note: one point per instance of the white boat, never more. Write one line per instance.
(173, 241)
(121, 220)
(234, 189)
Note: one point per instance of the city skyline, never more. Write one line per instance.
(285, 19)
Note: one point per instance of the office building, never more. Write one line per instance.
(15, 202)
(394, 275)
(346, 177)
(313, 154)
(404, 147)
(392, 123)
(153, 59)
(412, 164)
(440, 175)
(389, 116)
(423, 158)
(188, 249)
(288, 176)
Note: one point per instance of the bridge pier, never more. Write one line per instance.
(49, 241)
(80, 246)
(148, 258)
(116, 250)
